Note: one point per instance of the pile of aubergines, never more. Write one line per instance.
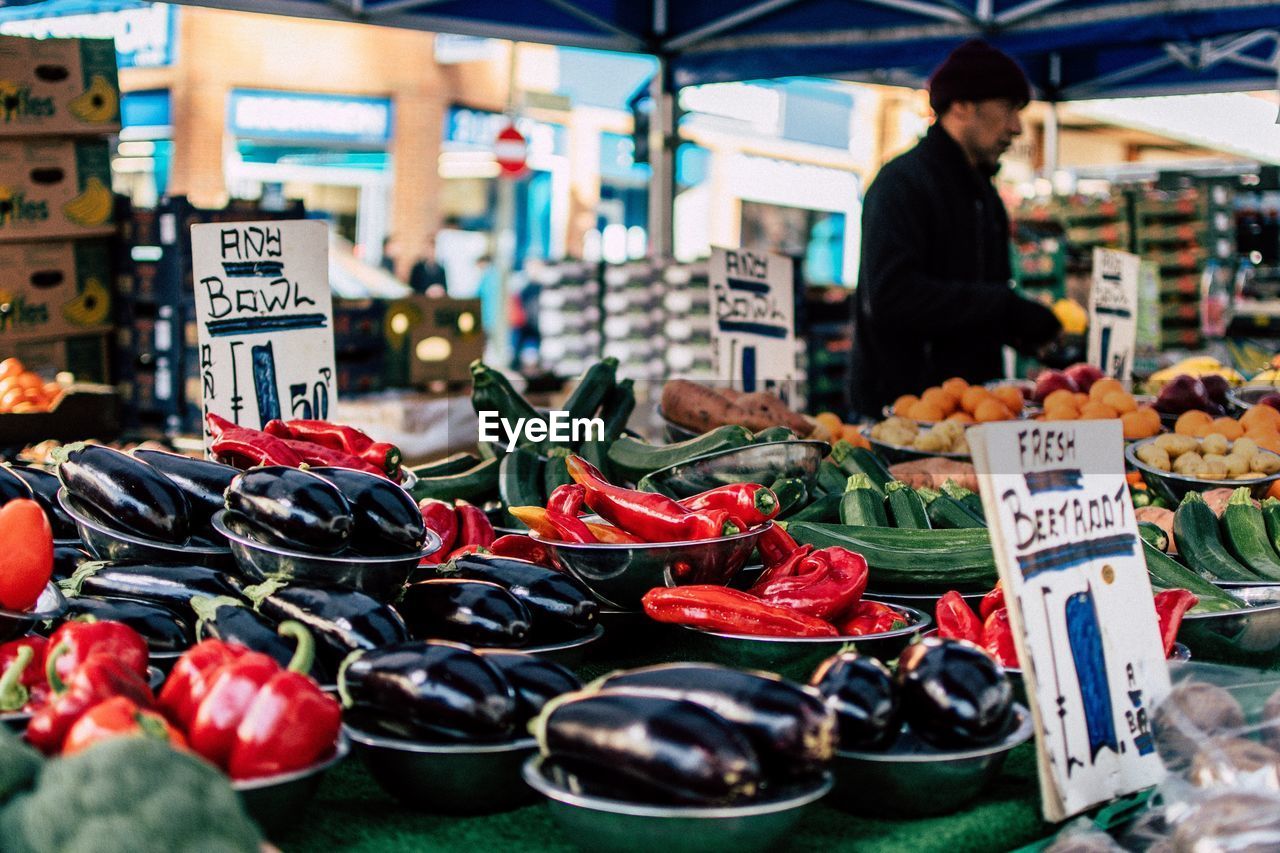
(327, 511)
(498, 602)
(443, 692)
(687, 734)
(945, 695)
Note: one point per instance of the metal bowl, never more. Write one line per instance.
(275, 802)
(1243, 399)
(619, 575)
(923, 781)
(797, 657)
(927, 601)
(673, 431)
(107, 544)
(1248, 637)
(895, 453)
(50, 605)
(447, 778)
(16, 721)
(594, 823)
(751, 463)
(1172, 487)
(380, 577)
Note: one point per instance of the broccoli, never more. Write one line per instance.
(19, 765)
(132, 794)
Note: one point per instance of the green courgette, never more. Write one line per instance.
(1168, 573)
(1245, 534)
(593, 387)
(792, 494)
(474, 484)
(616, 409)
(831, 480)
(823, 508)
(1140, 497)
(1154, 535)
(774, 433)
(491, 391)
(1195, 531)
(909, 557)
(946, 513)
(861, 504)
(906, 509)
(520, 481)
(455, 464)
(858, 460)
(1271, 515)
(631, 458)
(971, 501)
(554, 472)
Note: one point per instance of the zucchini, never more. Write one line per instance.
(520, 481)
(1140, 497)
(1245, 534)
(831, 480)
(1154, 535)
(905, 507)
(909, 556)
(822, 508)
(618, 405)
(631, 458)
(474, 484)
(491, 391)
(774, 433)
(1168, 573)
(861, 504)
(1195, 531)
(593, 387)
(555, 473)
(1271, 515)
(947, 513)
(971, 501)
(792, 494)
(858, 460)
(455, 464)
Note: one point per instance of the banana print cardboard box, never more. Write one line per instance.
(55, 188)
(58, 86)
(53, 289)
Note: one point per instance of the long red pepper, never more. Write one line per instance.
(386, 457)
(775, 545)
(520, 547)
(441, 518)
(992, 601)
(98, 678)
(244, 447)
(567, 499)
(789, 567)
(718, 608)
(750, 502)
(74, 641)
(870, 617)
(1171, 606)
(570, 528)
(956, 619)
(825, 585)
(318, 454)
(607, 534)
(652, 517)
(997, 638)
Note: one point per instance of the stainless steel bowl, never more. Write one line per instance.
(276, 801)
(673, 431)
(380, 577)
(797, 657)
(752, 463)
(619, 575)
(50, 605)
(598, 824)
(16, 721)
(923, 781)
(895, 453)
(447, 778)
(927, 601)
(1248, 637)
(107, 544)
(1245, 398)
(1173, 487)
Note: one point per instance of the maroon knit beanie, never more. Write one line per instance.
(976, 71)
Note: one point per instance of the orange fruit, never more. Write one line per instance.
(973, 397)
(944, 400)
(1229, 427)
(1194, 423)
(924, 411)
(1260, 414)
(1135, 425)
(1062, 413)
(956, 386)
(854, 436)
(1267, 440)
(1081, 399)
(1010, 396)
(1121, 401)
(991, 410)
(1100, 389)
(30, 380)
(1096, 410)
(906, 401)
(830, 420)
(1151, 417)
(961, 417)
(1059, 398)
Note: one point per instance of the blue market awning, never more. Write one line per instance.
(1072, 49)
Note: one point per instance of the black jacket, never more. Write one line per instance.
(933, 298)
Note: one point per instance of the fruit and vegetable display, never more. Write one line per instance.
(1213, 457)
(957, 400)
(702, 408)
(301, 442)
(23, 391)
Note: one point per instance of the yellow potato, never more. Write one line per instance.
(1176, 445)
(1155, 456)
(1237, 465)
(1215, 443)
(1265, 463)
(1214, 468)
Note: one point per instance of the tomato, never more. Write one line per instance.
(11, 367)
(26, 554)
(30, 380)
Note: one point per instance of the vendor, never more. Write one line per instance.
(933, 298)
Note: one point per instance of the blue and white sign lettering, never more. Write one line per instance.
(260, 114)
(264, 314)
(143, 32)
(753, 336)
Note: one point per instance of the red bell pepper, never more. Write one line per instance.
(291, 724)
(1171, 606)
(318, 454)
(718, 608)
(14, 694)
(997, 638)
(244, 447)
(474, 527)
(992, 601)
(381, 455)
(26, 554)
(119, 716)
(750, 502)
(775, 545)
(191, 677)
(956, 619)
(99, 677)
(71, 645)
(567, 499)
(870, 617)
(441, 519)
(825, 584)
(517, 546)
(570, 528)
(652, 517)
(32, 675)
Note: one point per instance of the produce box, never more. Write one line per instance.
(83, 411)
(84, 356)
(54, 288)
(357, 325)
(58, 86)
(429, 339)
(55, 188)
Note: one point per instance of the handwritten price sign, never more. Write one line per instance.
(1113, 312)
(753, 325)
(264, 312)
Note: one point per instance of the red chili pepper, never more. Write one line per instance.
(441, 519)
(32, 675)
(870, 617)
(191, 676)
(71, 645)
(570, 528)
(718, 608)
(14, 694)
(567, 499)
(997, 638)
(775, 545)
(534, 518)
(956, 619)
(474, 527)
(26, 554)
(652, 517)
(826, 583)
(99, 677)
(788, 567)
(244, 447)
(992, 601)
(383, 456)
(607, 534)
(119, 716)
(750, 502)
(517, 546)
(291, 724)
(1171, 606)
(318, 454)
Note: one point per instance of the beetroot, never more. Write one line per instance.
(1217, 387)
(1182, 395)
